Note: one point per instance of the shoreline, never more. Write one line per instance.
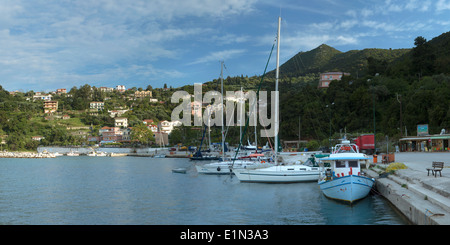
(52, 152)
(422, 198)
(25, 154)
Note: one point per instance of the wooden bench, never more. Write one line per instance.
(436, 167)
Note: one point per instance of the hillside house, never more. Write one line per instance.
(120, 88)
(95, 105)
(61, 91)
(50, 106)
(327, 77)
(142, 94)
(121, 122)
(40, 96)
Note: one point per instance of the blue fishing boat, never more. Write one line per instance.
(341, 177)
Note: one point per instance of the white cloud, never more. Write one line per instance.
(442, 5)
(54, 42)
(219, 55)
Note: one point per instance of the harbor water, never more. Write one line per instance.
(144, 191)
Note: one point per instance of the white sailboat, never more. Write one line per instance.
(161, 142)
(226, 166)
(278, 173)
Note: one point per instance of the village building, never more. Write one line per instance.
(116, 113)
(50, 106)
(142, 94)
(106, 89)
(95, 105)
(120, 88)
(121, 122)
(327, 77)
(61, 91)
(167, 127)
(110, 134)
(37, 138)
(41, 96)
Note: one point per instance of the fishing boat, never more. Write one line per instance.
(341, 176)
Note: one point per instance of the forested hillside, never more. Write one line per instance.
(401, 88)
(415, 81)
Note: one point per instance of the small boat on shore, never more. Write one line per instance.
(341, 177)
(97, 154)
(72, 154)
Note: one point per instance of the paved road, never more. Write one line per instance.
(420, 161)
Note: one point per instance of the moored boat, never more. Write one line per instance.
(227, 167)
(73, 154)
(179, 170)
(279, 174)
(341, 176)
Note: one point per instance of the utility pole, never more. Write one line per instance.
(399, 101)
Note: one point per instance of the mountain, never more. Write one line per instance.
(309, 62)
(325, 58)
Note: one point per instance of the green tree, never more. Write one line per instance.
(142, 134)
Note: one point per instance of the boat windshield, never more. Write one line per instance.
(346, 164)
(340, 164)
(353, 164)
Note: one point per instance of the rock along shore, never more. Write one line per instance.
(26, 155)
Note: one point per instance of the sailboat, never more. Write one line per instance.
(226, 166)
(343, 179)
(161, 140)
(198, 156)
(278, 173)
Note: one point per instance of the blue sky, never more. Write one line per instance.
(45, 45)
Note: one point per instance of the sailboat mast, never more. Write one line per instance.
(221, 104)
(276, 91)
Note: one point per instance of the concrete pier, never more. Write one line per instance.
(423, 199)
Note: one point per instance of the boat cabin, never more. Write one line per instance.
(345, 167)
(344, 161)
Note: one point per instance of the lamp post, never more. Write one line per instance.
(329, 116)
(373, 106)
(399, 101)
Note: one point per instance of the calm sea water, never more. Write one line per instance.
(144, 191)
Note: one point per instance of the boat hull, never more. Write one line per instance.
(202, 169)
(349, 188)
(228, 167)
(277, 174)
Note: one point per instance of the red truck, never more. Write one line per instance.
(365, 143)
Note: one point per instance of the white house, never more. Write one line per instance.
(121, 122)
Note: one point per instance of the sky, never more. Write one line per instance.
(46, 45)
